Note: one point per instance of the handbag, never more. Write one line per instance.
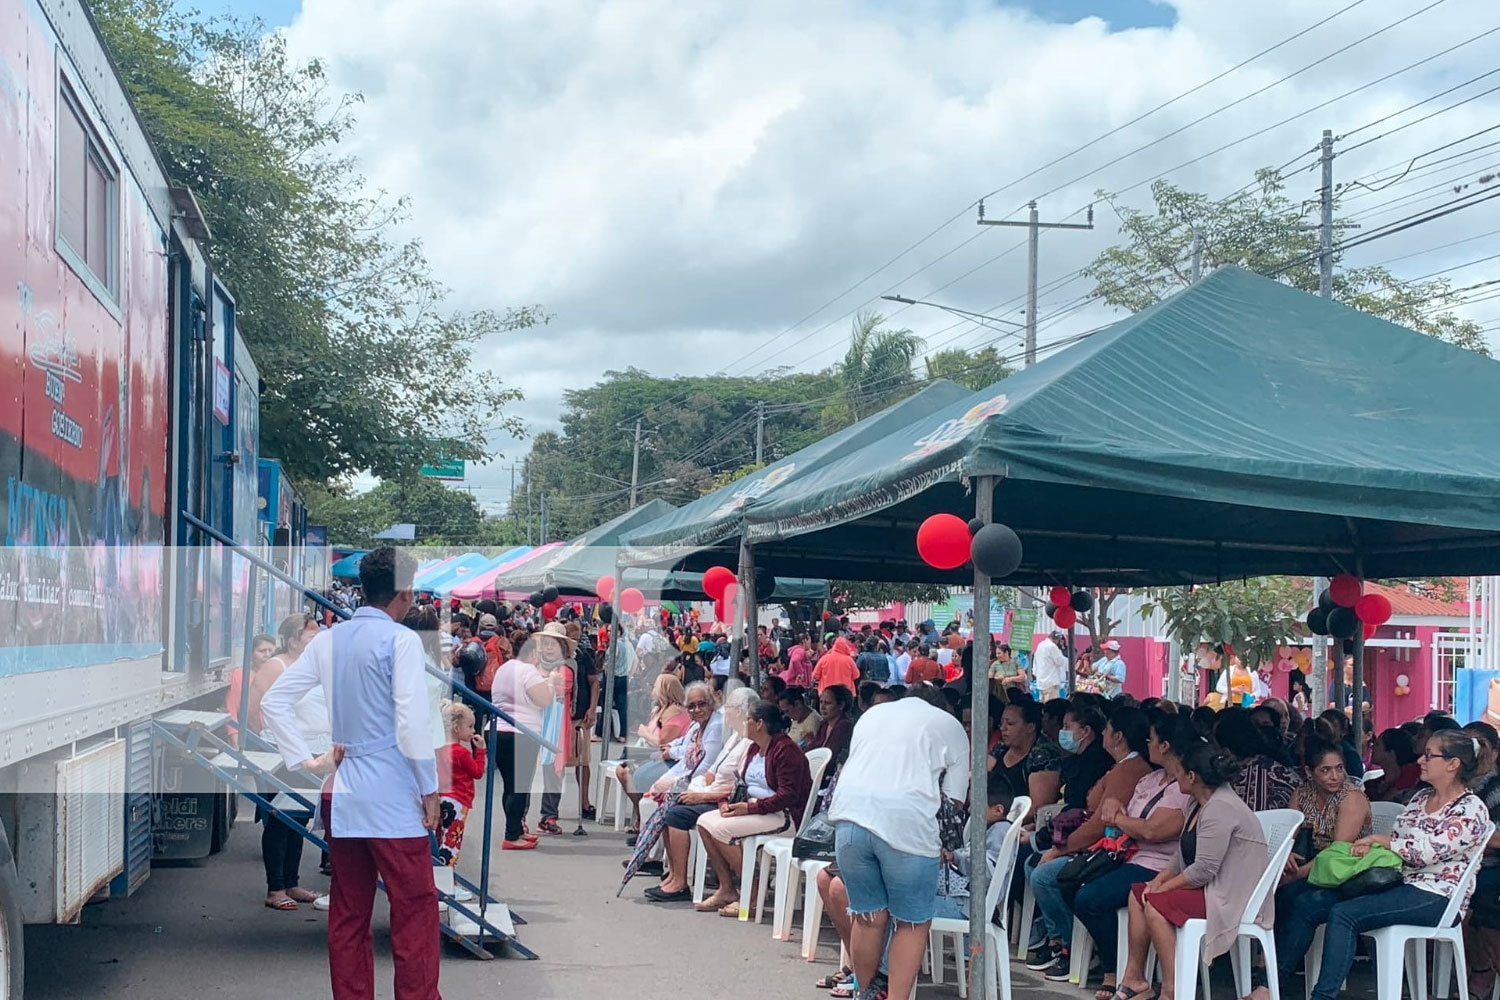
(951, 819)
(1336, 867)
(1061, 828)
(1102, 857)
(815, 841)
(741, 792)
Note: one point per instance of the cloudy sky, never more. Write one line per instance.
(700, 186)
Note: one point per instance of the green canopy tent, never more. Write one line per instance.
(1238, 428)
(574, 569)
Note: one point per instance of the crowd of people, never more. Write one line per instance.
(1169, 791)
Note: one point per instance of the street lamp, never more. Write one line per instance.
(966, 313)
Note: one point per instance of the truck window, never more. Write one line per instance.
(87, 195)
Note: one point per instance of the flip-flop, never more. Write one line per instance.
(1126, 993)
(831, 980)
(730, 909)
(308, 896)
(1105, 993)
(285, 905)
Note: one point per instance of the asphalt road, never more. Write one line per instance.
(201, 930)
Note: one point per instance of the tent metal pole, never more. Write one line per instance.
(979, 729)
(736, 631)
(609, 675)
(750, 599)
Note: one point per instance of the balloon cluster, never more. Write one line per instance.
(631, 601)
(1403, 684)
(723, 588)
(1343, 609)
(1064, 606)
(947, 541)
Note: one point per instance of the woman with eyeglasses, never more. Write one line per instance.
(1436, 836)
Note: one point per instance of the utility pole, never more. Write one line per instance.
(760, 433)
(1034, 226)
(542, 537)
(1321, 644)
(635, 463)
(528, 500)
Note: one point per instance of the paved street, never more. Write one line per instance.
(200, 930)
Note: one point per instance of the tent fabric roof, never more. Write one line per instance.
(575, 568)
(482, 584)
(1240, 427)
(348, 566)
(717, 515)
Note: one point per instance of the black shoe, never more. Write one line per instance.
(656, 895)
(590, 813)
(652, 868)
(1041, 959)
(630, 840)
(1059, 971)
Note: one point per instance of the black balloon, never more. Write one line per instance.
(1325, 601)
(471, 659)
(765, 584)
(1342, 622)
(1348, 647)
(606, 612)
(975, 525)
(549, 595)
(996, 550)
(1082, 601)
(536, 599)
(1317, 621)
(1050, 609)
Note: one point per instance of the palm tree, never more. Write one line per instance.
(877, 367)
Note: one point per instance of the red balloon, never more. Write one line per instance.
(632, 601)
(1373, 609)
(1065, 617)
(1060, 596)
(550, 609)
(943, 541)
(827, 615)
(720, 612)
(1344, 589)
(1370, 630)
(605, 587)
(715, 579)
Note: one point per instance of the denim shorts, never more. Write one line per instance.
(879, 877)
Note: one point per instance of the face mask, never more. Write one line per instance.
(1067, 741)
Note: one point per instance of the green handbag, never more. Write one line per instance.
(1336, 868)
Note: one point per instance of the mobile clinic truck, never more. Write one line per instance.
(126, 398)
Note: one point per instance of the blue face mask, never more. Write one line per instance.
(1067, 741)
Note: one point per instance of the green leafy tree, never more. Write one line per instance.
(364, 366)
(1254, 616)
(877, 367)
(860, 595)
(1260, 229)
(976, 370)
(442, 515)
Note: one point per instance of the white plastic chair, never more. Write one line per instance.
(1403, 946)
(1081, 953)
(607, 777)
(1383, 817)
(812, 908)
(1027, 912)
(997, 970)
(1372, 774)
(1280, 827)
(817, 762)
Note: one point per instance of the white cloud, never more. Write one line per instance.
(679, 182)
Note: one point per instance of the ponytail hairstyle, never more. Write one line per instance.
(1213, 766)
(1489, 744)
(1463, 746)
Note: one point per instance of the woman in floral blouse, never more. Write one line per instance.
(1436, 836)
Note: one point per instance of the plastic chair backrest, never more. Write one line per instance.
(817, 763)
(1383, 816)
(1373, 774)
(1280, 827)
(1019, 806)
(1471, 869)
(1005, 863)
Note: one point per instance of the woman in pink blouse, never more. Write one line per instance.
(1436, 836)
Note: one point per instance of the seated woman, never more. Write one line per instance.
(777, 782)
(1264, 781)
(1221, 855)
(1028, 763)
(1153, 817)
(1482, 928)
(669, 722)
(836, 708)
(1394, 753)
(1336, 809)
(1124, 737)
(1435, 836)
(710, 785)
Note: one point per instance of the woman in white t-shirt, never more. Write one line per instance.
(905, 755)
(521, 690)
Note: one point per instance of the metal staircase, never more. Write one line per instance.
(478, 922)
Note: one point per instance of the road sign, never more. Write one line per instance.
(450, 468)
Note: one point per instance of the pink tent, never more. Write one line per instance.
(483, 584)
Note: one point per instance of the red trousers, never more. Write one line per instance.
(405, 865)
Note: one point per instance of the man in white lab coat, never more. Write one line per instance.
(384, 796)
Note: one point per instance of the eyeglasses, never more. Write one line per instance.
(697, 704)
(1430, 756)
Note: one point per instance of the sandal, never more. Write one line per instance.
(1105, 993)
(286, 904)
(845, 990)
(1126, 993)
(302, 895)
(833, 979)
(730, 909)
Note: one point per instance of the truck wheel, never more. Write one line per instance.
(11, 982)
